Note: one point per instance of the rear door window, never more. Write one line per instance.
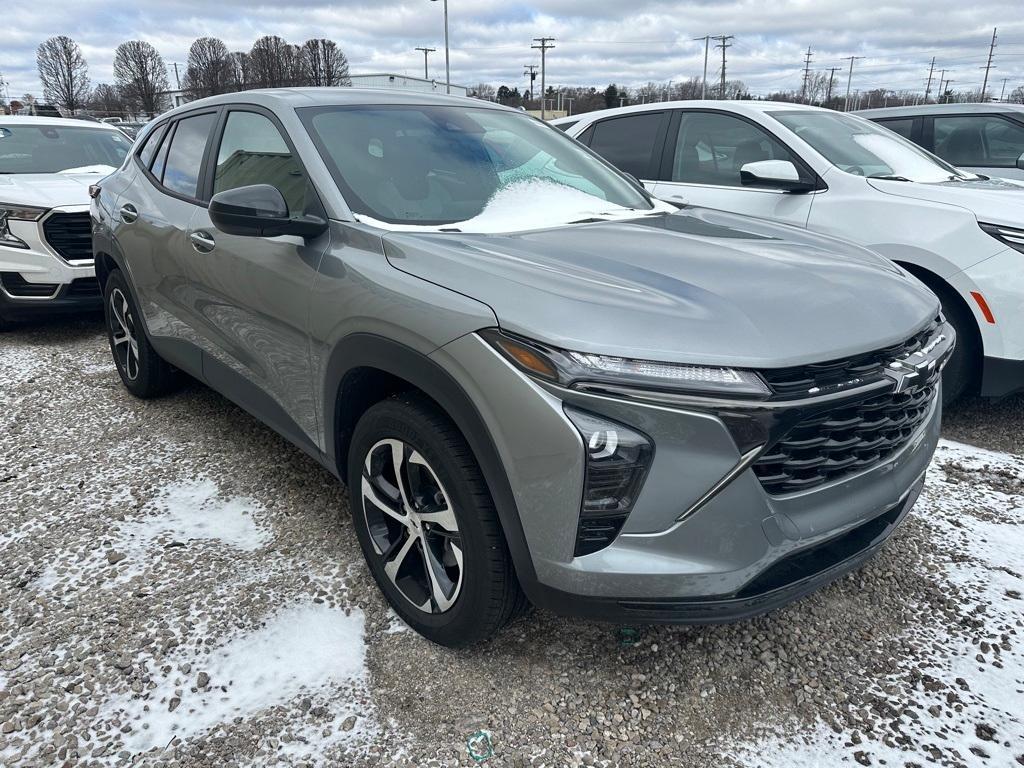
(979, 140)
(630, 143)
(185, 155)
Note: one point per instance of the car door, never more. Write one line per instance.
(987, 144)
(250, 295)
(632, 143)
(152, 217)
(704, 153)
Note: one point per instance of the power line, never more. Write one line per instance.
(988, 65)
(723, 43)
(544, 47)
(426, 51)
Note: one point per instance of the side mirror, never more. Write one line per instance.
(1020, 161)
(774, 174)
(260, 210)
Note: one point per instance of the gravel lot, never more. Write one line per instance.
(179, 586)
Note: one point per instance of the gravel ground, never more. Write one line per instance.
(179, 586)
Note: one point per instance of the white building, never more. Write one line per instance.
(386, 80)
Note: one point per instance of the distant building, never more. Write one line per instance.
(404, 82)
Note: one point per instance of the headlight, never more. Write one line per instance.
(572, 369)
(20, 213)
(1006, 235)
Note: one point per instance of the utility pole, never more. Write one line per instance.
(426, 51)
(942, 79)
(807, 74)
(831, 76)
(723, 43)
(948, 83)
(988, 66)
(447, 56)
(544, 47)
(928, 88)
(177, 80)
(568, 101)
(849, 80)
(531, 70)
(1002, 93)
(704, 82)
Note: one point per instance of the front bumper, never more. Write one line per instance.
(81, 296)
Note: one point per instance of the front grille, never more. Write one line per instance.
(848, 438)
(70, 235)
(15, 285)
(803, 379)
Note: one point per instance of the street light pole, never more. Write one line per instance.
(447, 59)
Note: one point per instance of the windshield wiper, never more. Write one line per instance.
(888, 177)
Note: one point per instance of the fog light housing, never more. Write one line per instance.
(617, 460)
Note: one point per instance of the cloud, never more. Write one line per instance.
(597, 42)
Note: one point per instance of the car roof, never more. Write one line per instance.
(342, 96)
(56, 121)
(742, 107)
(941, 109)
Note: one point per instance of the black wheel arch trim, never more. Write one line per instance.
(364, 350)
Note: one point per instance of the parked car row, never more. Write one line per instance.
(540, 382)
(959, 233)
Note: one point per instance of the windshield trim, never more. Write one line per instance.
(354, 202)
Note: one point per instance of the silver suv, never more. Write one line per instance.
(538, 383)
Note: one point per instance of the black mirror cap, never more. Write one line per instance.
(260, 210)
(748, 179)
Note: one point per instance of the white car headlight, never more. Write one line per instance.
(10, 212)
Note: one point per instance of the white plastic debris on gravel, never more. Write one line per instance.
(303, 649)
(980, 536)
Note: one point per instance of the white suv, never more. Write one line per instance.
(961, 234)
(46, 167)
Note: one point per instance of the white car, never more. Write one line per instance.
(46, 167)
(841, 175)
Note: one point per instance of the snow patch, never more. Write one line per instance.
(303, 648)
(195, 509)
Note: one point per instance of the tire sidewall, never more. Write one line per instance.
(141, 385)
(392, 419)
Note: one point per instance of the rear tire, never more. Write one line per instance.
(448, 574)
(143, 372)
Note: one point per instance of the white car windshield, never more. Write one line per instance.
(467, 169)
(860, 147)
(49, 148)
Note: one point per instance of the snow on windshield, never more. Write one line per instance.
(895, 154)
(531, 204)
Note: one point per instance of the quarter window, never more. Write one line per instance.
(149, 148)
(253, 151)
(185, 156)
(979, 140)
(711, 148)
(629, 143)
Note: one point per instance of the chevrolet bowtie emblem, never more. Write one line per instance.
(914, 370)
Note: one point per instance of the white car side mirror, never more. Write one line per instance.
(774, 174)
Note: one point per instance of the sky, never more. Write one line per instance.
(628, 42)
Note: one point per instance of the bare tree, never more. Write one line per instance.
(267, 62)
(240, 75)
(325, 63)
(107, 101)
(208, 71)
(1016, 95)
(63, 72)
(293, 67)
(142, 76)
(484, 91)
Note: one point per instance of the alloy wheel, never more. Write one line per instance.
(123, 334)
(412, 525)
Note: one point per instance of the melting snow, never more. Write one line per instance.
(303, 648)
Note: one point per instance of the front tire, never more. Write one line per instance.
(427, 524)
(961, 373)
(143, 372)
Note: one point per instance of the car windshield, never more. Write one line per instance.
(860, 147)
(468, 169)
(56, 148)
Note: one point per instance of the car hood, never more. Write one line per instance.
(49, 190)
(996, 201)
(699, 286)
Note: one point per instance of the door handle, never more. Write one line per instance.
(202, 241)
(129, 213)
